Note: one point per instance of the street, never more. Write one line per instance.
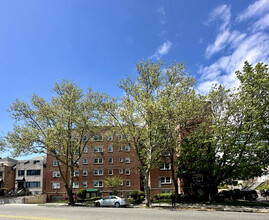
(39, 212)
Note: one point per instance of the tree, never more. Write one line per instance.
(151, 111)
(114, 183)
(232, 141)
(61, 127)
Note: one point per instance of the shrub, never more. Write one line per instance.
(137, 196)
(82, 193)
(163, 196)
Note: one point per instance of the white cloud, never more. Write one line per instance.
(262, 23)
(162, 50)
(162, 14)
(253, 46)
(255, 9)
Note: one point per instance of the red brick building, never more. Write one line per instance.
(104, 157)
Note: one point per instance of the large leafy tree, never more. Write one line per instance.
(61, 127)
(232, 141)
(152, 112)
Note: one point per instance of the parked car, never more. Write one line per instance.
(265, 193)
(248, 195)
(111, 201)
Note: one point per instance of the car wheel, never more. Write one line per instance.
(117, 205)
(97, 204)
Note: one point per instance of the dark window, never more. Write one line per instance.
(20, 172)
(33, 172)
(1, 174)
(32, 184)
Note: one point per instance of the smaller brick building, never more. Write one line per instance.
(7, 173)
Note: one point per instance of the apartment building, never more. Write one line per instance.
(105, 156)
(30, 175)
(7, 173)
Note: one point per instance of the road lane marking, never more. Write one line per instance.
(28, 217)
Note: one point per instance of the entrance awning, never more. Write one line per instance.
(20, 179)
(92, 190)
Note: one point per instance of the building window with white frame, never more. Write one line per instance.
(127, 171)
(98, 149)
(85, 184)
(98, 172)
(110, 172)
(97, 138)
(110, 149)
(98, 184)
(56, 185)
(165, 180)
(85, 173)
(76, 173)
(120, 171)
(127, 148)
(85, 150)
(120, 159)
(110, 137)
(120, 148)
(110, 160)
(165, 166)
(56, 174)
(128, 183)
(98, 160)
(84, 161)
(55, 163)
(75, 185)
(127, 160)
(121, 183)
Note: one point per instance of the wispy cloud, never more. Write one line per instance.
(162, 50)
(251, 45)
(162, 14)
(254, 10)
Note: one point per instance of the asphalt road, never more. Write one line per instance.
(22, 211)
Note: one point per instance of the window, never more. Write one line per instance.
(85, 138)
(84, 161)
(20, 172)
(120, 148)
(75, 162)
(56, 186)
(110, 148)
(85, 173)
(120, 171)
(85, 184)
(98, 172)
(127, 171)
(33, 172)
(127, 159)
(98, 160)
(119, 137)
(121, 183)
(166, 180)
(56, 174)
(110, 172)
(165, 166)
(55, 163)
(110, 160)
(85, 150)
(128, 183)
(1, 174)
(98, 183)
(110, 137)
(32, 184)
(98, 138)
(76, 173)
(75, 185)
(98, 149)
(120, 160)
(127, 148)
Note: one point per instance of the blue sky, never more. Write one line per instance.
(97, 43)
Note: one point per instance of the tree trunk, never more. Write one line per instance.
(147, 189)
(174, 177)
(70, 196)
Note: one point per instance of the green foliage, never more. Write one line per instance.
(163, 196)
(264, 185)
(137, 196)
(82, 193)
(56, 127)
(232, 140)
(114, 183)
